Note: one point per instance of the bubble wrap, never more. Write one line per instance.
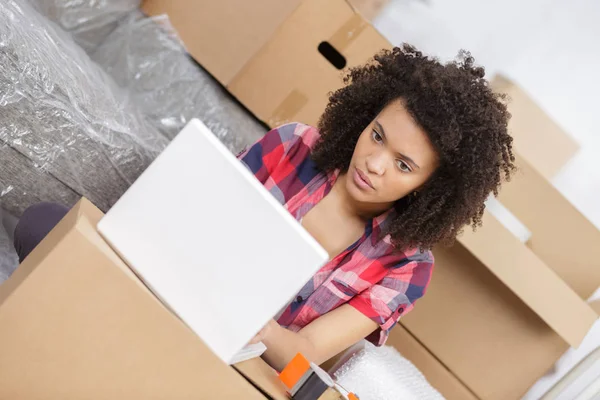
(67, 129)
(145, 56)
(381, 373)
(64, 114)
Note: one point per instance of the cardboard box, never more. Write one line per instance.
(436, 373)
(563, 238)
(481, 330)
(528, 277)
(496, 316)
(267, 53)
(538, 138)
(75, 323)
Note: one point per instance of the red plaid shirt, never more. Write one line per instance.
(371, 275)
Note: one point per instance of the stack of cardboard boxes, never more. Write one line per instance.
(499, 312)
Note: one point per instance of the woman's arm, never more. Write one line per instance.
(320, 340)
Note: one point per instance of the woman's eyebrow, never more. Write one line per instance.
(403, 156)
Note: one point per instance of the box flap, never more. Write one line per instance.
(480, 330)
(562, 237)
(442, 379)
(537, 136)
(530, 279)
(223, 35)
(294, 78)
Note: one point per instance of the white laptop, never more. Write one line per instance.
(210, 241)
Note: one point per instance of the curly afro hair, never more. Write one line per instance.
(466, 123)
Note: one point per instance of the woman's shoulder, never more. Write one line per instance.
(419, 254)
(394, 254)
(415, 257)
(294, 132)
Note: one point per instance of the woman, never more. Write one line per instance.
(403, 158)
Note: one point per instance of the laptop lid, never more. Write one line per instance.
(210, 241)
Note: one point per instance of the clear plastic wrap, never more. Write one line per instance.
(145, 56)
(381, 373)
(88, 21)
(67, 129)
(8, 256)
(64, 114)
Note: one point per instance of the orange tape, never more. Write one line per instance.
(294, 371)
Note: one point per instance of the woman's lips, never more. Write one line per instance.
(361, 180)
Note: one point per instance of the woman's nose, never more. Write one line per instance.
(376, 164)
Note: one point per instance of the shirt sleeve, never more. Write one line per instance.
(263, 157)
(395, 295)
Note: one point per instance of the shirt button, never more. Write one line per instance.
(400, 310)
(299, 299)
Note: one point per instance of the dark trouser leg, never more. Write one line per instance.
(37, 221)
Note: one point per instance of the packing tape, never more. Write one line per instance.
(348, 32)
(288, 108)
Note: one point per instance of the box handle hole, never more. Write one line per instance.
(332, 55)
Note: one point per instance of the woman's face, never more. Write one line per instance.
(393, 158)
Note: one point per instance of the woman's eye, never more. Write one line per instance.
(404, 167)
(377, 137)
